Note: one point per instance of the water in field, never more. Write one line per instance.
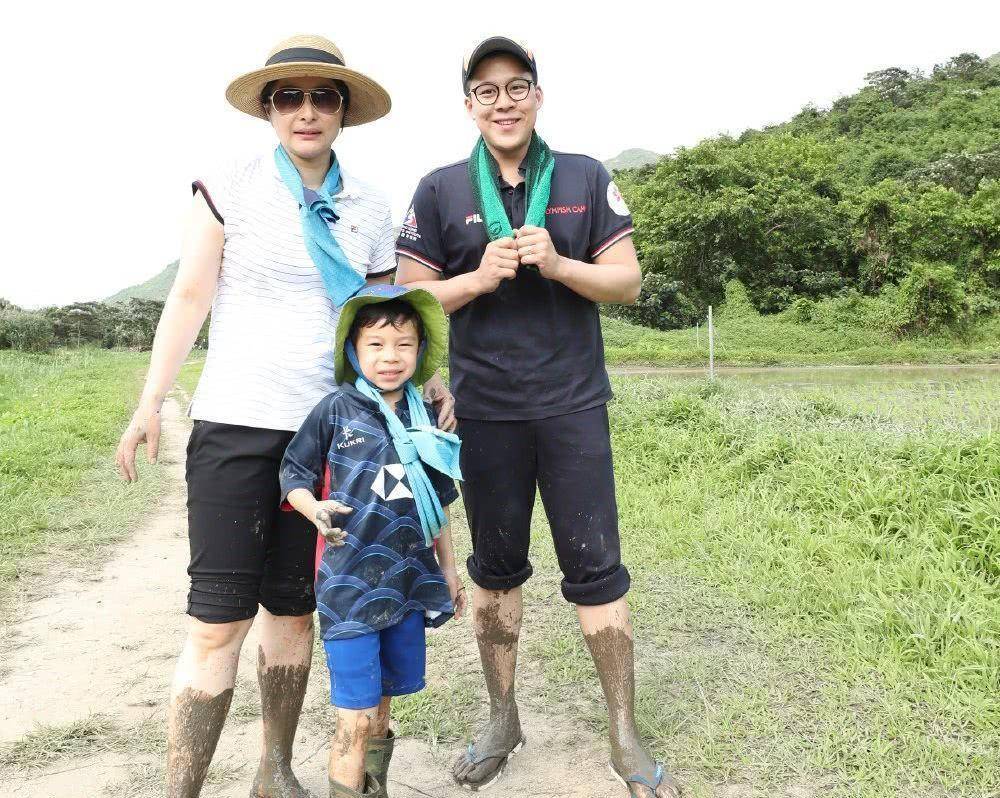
(963, 399)
(826, 376)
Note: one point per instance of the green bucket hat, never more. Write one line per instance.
(432, 317)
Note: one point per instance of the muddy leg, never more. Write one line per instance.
(200, 696)
(349, 745)
(283, 660)
(497, 617)
(380, 746)
(608, 632)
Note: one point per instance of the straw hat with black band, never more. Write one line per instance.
(310, 56)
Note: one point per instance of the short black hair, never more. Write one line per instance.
(265, 95)
(393, 311)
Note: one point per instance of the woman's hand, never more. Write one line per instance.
(443, 402)
(143, 428)
(457, 590)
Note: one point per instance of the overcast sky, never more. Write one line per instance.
(110, 110)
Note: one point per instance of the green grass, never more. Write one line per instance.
(94, 734)
(815, 585)
(188, 376)
(60, 418)
(772, 340)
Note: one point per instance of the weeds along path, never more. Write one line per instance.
(87, 669)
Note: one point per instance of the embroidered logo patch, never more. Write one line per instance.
(616, 201)
(409, 228)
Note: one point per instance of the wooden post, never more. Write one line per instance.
(711, 345)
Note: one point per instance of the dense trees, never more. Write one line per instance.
(130, 324)
(892, 188)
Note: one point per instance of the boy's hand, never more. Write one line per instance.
(327, 523)
(457, 589)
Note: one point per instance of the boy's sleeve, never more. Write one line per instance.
(420, 236)
(444, 485)
(305, 458)
(610, 220)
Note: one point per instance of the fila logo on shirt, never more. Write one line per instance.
(473, 218)
(349, 439)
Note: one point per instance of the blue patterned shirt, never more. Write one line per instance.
(385, 570)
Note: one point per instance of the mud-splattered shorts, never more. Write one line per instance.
(245, 551)
(389, 662)
(568, 457)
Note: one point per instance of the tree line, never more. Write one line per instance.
(891, 193)
(130, 324)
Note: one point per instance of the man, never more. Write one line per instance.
(520, 244)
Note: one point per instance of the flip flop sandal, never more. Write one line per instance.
(660, 776)
(491, 779)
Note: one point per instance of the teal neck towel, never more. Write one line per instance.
(418, 445)
(316, 209)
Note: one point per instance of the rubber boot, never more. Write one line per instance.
(371, 789)
(377, 761)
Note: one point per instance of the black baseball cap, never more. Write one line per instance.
(492, 46)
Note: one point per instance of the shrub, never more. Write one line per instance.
(28, 332)
(801, 310)
(737, 304)
(930, 296)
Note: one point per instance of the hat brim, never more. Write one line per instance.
(435, 331)
(369, 101)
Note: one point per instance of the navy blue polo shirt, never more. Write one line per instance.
(533, 348)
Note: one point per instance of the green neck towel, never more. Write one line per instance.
(483, 175)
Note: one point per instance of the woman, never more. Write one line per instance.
(280, 243)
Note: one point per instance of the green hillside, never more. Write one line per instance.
(631, 159)
(892, 192)
(156, 287)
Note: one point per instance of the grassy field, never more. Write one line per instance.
(771, 341)
(816, 577)
(60, 417)
(816, 571)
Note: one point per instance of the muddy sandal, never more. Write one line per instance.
(502, 759)
(660, 776)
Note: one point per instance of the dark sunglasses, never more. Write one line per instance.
(289, 100)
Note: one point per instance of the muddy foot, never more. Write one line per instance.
(278, 784)
(482, 763)
(631, 763)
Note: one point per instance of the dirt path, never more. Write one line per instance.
(89, 670)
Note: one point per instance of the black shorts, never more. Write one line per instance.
(569, 458)
(245, 551)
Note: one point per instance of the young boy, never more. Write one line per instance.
(384, 475)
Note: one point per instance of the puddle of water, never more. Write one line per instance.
(834, 376)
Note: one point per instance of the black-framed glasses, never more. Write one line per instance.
(288, 100)
(517, 89)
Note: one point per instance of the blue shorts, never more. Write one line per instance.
(389, 662)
